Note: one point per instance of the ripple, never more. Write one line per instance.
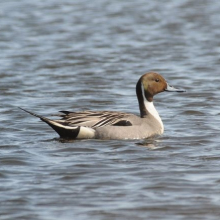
(82, 55)
(13, 161)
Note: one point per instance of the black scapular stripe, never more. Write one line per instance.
(123, 123)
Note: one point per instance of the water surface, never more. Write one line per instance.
(79, 55)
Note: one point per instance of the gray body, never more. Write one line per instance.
(141, 128)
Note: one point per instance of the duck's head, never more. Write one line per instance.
(151, 84)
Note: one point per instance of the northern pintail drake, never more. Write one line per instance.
(116, 125)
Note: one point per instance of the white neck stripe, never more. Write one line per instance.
(150, 108)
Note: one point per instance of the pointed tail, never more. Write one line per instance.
(36, 115)
(64, 131)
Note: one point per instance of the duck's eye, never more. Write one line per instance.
(157, 80)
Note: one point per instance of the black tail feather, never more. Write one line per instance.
(36, 115)
(64, 131)
(70, 133)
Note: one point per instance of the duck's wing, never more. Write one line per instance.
(95, 119)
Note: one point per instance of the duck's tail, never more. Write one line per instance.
(63, 130)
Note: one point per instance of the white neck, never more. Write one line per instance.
(151, 109)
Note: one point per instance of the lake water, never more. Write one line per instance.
(78, 55)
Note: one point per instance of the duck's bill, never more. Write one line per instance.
(172, 89)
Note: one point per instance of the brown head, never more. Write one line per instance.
(151, 84)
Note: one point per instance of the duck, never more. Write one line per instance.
(114, 124)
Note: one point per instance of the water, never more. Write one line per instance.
(77, 55)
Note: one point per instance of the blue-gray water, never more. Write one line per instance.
(77, 55)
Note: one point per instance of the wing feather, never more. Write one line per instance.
(95, 118)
